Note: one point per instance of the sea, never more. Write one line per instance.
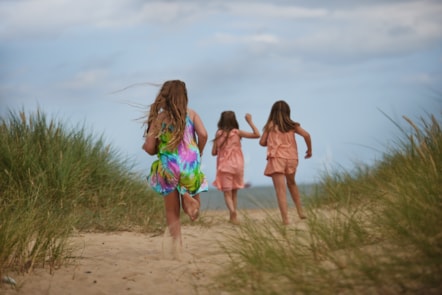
(253, 197)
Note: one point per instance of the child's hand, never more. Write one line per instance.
(308, 154)
(248, 117)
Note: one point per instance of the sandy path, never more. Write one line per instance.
(134, 263)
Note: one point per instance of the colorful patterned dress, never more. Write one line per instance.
(179, 169)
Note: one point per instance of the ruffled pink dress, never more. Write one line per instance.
(282, 153)
(229, 161)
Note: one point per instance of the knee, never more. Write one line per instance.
(291, 181)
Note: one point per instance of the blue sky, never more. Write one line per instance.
(339, 64)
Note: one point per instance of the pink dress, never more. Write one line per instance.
(229, 161)
(282, 153)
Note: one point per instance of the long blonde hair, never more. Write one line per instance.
(279, 118)
(168, 112)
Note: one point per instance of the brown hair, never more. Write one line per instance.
(279, 118)
(168, 112)
(226, 123)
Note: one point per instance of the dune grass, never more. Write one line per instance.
(54, 181)
(374, 230)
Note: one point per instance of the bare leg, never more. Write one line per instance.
(172, 208)
(294, 193)
(280, 189)
(235, 199)
(235, 205)
(230, 199)
(198, 203)
(191, 206)
(197, 198)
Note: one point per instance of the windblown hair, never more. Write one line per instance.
(226, 123)
(279, 118)
(168, 112)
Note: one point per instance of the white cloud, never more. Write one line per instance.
(428, 79)
(365, 29)
(36, 18)
(86, 79)
(272, 11)
(417, 21)
(383, 29)
(227, 38)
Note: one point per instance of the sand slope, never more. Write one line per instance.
(135, 263)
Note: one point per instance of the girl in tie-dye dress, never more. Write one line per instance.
(177, 136)
(178, 169)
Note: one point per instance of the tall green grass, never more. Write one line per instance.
(54, 180)
(374, 230)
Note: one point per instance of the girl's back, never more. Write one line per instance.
(230, 157)
(282, 145)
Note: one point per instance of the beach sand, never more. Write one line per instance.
(137, 263)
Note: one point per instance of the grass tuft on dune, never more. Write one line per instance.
(374, 230)
(54, 181)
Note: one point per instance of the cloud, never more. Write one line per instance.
(274, 10)
(254, 39)
(86, 79)
(50, 18)
(423, 78)
(329, 33)
(347, 34)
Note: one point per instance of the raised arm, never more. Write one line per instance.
(308, 141)
(254, 134)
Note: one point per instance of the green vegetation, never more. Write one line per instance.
(54, 181)
(376, 230)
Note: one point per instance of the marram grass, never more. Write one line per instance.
(376, 230)
(55, 180)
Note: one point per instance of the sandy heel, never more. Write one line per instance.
(191, 206)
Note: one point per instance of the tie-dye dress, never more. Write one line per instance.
(179, 169)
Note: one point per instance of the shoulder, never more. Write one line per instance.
(235, 131)
(192, 114)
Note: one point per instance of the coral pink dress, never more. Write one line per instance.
(229, 161)
(282, 153)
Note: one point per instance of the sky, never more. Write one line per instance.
(348, 69)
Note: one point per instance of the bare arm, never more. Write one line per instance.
(254, 134)
(150, 143)
(265, 134)
(200, 130)
(308, 141)
(214, 148)
(263, 139)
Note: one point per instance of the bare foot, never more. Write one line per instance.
(301, 214)
(191, 206)
(234, 219)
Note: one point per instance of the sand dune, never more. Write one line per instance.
(136, 263)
